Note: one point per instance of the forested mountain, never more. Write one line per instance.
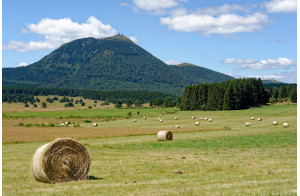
(109, 64)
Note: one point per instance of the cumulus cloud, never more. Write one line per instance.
(134, 39)
(173, 62)
(59, 31)
(288, 77)
(156, 6)
(22, 64)
(268, 64)
(222, 24)
(281, 6)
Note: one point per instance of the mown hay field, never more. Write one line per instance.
(223, 157)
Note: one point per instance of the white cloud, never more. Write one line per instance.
(22, 64)
(281, 6)
(173, 62)
(124, 4)
(156, 6)
(134, 39)
(288, 77)
(233, 75)
(223, 24)
(59, 31)
(268, 64)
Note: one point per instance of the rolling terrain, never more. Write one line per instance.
(108, 64)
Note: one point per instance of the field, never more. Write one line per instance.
(223, 157)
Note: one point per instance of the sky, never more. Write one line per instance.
(249, 38)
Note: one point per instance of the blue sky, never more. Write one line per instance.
(247, 38)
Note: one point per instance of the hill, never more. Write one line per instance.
(109, 64)
(271, 81)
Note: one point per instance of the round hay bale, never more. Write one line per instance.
(95, 125)
(144, 117)
(210, 120)
(193, 117)
(160, 115)
(177, 126)
(134, 120)
(158, 119)
(66, 123)
(247, 124)
(200, 118)
(252, 118)
(62, 160)
(197, 123)
(285, 124)
(205, 118)
(176, 118)
(62, 124)
(275, 123)
(164, 135)
(161, 120)
(259, 119)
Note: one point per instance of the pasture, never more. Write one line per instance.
(222, 157)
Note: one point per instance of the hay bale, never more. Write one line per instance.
(66, 123)
(259, 119)
(193, 117)
(95, 125)
(164, 135)
(62, 124)
(197, 123)
(177, 126)
(158, 119)
(144, 118)
(159, 115)
(247, 124)
(200, 118)
(252, 118)
(176, 118)
(134, 120)
(205, 118)
(285, 124)
(210, 120)
(161, 120)
(62, 160)
(275, 123)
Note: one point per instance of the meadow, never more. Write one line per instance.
(223, 157)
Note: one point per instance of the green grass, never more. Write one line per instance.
(90, 113)
(256, 160)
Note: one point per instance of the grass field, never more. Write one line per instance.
(220, 158)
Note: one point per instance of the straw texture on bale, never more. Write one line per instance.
(164, 135)
(275, 123)
(62, 160)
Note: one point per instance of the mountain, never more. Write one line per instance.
(112, 63)
(271, 81)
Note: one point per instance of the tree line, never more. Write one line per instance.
(231, 95)
(26, 94)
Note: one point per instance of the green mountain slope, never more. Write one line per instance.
(113, 63)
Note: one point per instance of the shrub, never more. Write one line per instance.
(44, 105)
(90, 107)
(26, 105)
(21, 124)
(129, 113)
(87, 121)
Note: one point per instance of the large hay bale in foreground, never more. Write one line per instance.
(164, 135)
(61, 160)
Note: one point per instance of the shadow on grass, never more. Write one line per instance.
(94, 178)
